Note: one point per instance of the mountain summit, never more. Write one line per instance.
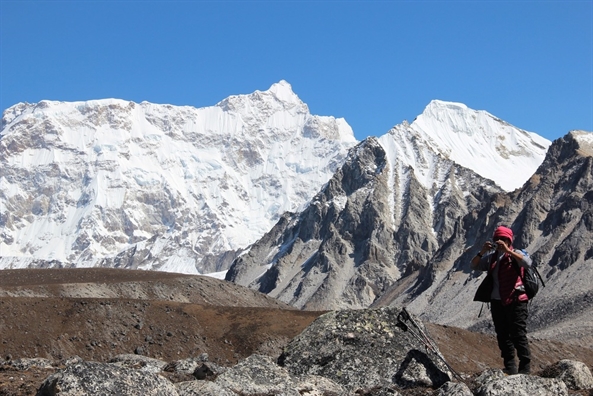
(477, 140)
(116, 183)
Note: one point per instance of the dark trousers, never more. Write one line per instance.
(510, 324)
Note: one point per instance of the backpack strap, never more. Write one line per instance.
(518, 268)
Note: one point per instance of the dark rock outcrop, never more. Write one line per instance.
(362, 349)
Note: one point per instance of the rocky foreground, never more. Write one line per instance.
(358, 352)
(107, 332)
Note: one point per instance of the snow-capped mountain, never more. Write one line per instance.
(116, 183)
(394, 203)
(474, 139)
(120, 184)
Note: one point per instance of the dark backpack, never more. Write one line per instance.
(531, 278)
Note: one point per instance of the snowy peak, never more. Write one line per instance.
(478, 141)
(86, 181)
(585, 142)
(283, 92)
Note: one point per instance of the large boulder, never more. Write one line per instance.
(454, 389)
(576, 375)
(523, 385)
(259, 375)
(201, 388)
(92, 378)
(362, 349)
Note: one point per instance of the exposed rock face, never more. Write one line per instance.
(367, 227)
(202, 388)
(552, 216)
(353, 352)
(134, 375)
(314, 374)
(362, 242)
(138, 362)
(454, 389)
(364, 349)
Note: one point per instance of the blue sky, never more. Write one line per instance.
(375, 63)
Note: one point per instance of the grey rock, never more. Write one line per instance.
(28, 363)
(454, 389)
(377, 391)
(186, 366)
(524, 385)
(92, 378)
(258, 375)
(576, 375)
(201, 388)
(138, 362)
(72, 360)
(208, 370)
(363, 349)
(314, 385)
(489, 375)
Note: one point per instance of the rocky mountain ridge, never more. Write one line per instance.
(346, 250)
(552, 216)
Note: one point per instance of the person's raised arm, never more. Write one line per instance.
(475, 263)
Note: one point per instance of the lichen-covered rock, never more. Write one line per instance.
(524, 385)
(201, 388)
(258, 375)
(314, 385)
(139, 362)
(71, 360)
(454, 389)
(489, 375)
(576, 375)
(27, 363)
(208, 370)
(93, 379)
(364, 349)
(186, 366)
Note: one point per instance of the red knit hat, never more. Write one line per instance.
(503, 232)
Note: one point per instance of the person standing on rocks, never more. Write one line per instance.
(504, 290)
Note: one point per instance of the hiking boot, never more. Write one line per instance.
(510, 367)
(525, 368)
